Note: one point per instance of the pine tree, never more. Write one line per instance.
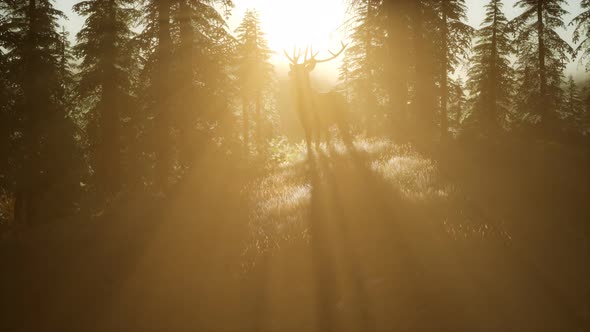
(423, 35)
(156, 41)
(389, 64)
(573, 107)
(7, 99)
(185, 83)
(362, 59)
(47, 164)
(396, 60)
(457, 104)
(66, 59)
(582, 33)
(490, 74)
(455, 43)
(538, 41)
(572, 102)
(105, 81)
(254, 72)
(526, 95)
(199, 30)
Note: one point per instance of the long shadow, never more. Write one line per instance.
(497, 272)
(398, 243)
(345, 245)
(321, 261)
(355, 208)
(352, 209)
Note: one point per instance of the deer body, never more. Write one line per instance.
(332, 110)
(317, 111)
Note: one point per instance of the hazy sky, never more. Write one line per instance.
(279, 16)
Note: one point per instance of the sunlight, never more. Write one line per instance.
(170, 165)
(298, 23)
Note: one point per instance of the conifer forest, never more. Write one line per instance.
(294, 165)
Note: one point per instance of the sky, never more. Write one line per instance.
(319, 23)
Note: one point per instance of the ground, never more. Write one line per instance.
(373, 236)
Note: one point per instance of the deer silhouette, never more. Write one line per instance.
(317, 111)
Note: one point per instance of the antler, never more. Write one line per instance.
(313, 55)
(296, 55)
(334, 55)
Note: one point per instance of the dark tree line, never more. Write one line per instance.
(411, 52)
(151, 86)
(145, 91)
(42, 160)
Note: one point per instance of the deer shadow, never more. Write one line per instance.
(356, 221)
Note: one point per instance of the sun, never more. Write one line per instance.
(289, 23)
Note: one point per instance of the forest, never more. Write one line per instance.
(159, 171)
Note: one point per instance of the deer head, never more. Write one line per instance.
(300, 71)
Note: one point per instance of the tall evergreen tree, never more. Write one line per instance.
(105, 81)
(5, 99)
(66, 59)
(572, 103)
(573, 107)
(362, 58)
(491, 74)
(199, 28)
(423, 34)
(455, 43)
(159, 69)
(254, 72)
(524, 108)
(536, 36)
(46, 155)
(394, 16)
(187, 50)
(582, 32)
(381, 72)
(457, 104)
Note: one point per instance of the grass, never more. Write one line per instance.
(370, 237)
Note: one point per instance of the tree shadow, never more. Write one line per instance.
(375, 250)
(354, 221)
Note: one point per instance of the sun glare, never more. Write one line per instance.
(301, 23)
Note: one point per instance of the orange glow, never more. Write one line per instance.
(298, 23)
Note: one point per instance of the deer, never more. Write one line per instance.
(317, 111)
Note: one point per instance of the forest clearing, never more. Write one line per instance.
(396, 241)
(270, 166)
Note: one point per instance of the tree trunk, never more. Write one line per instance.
(27, 175)
(163, 117)
(369, 75)
(444, 76)
(186, 120)
(110, 159)
(542, 74)
(423, 98)
(493, 77)
(258, 101)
